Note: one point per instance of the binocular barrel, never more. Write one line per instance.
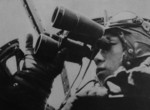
(47, 48)
(80, 28)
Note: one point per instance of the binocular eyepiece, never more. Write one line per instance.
(79, 28)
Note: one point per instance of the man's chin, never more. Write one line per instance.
(102, 76)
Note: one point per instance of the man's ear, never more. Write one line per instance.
(121, 34)
(125, 58)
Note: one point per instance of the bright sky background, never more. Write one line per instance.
(14, 23)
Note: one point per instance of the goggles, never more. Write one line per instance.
(127, 20)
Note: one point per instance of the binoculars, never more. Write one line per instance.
(81, 34)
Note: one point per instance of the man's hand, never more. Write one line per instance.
(38, 73)
(32, 84)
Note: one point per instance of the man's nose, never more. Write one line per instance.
(99, 58)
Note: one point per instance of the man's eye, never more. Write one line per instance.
(106, 47)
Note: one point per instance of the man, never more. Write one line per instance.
(123, 68)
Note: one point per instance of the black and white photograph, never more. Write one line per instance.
(74, 55)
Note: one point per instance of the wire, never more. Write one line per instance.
(84, 74)
(77, 76)
(68, 93)
(94, 51)
(93, 80)
(66, 97)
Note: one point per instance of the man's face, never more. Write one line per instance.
(109, 60)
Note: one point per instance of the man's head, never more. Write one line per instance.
(126, 39)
